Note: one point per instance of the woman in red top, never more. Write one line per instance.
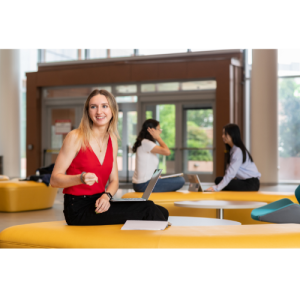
(87, 160)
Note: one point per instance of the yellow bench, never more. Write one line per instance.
(25, 195)
(4, 178)
(59, 235)
(240, 215)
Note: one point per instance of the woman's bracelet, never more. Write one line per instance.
(81, 177)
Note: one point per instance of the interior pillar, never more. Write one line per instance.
(264, 115)
(10, 114)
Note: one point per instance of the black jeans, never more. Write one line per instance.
(246, 185)
(80, 210)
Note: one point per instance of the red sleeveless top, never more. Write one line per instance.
(87, 161)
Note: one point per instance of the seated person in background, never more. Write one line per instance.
(147, 161)
(241, 173)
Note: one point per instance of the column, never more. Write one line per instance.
(264, 123)
(10, 111)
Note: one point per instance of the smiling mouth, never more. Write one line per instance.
(100, 118)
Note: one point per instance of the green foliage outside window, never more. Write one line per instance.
(167, 124)
(198, 120)
(289, 118)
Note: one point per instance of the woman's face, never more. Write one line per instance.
(99, 110)
(226, 138)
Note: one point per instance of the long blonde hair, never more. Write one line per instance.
(85, 127)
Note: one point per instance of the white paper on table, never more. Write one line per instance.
(144, 225)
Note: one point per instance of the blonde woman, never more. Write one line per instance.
(87, 160)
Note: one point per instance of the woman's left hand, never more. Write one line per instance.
(210, 189)
(102, 204)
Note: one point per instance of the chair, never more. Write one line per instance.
(281, 211)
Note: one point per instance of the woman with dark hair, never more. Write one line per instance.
(147, 161)
(241, 173)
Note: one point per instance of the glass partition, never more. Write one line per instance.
(199, 85)
(124, 99)
(54, 55)
(178, 86)
(97, 53)
(28, 63)
(57, 55)
(198, 50)
(132, 88)
(288, 62)
(198, 151)
(121, 52)
(289, 128)
(127, 127)
(160, 51)
(120, 141)
(165, 114)
(168, 86)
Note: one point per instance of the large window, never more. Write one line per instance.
(28, 63)
(288, 62)
(53, 55)
(56, 55)
(160, 51)
(94, 53)
(196, 50)
(289, 114)
(289, 128)
(288, 111)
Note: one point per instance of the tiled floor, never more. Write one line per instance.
(56, 212)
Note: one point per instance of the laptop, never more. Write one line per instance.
(147, 192)
(195, 184)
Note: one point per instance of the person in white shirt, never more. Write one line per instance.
(241, 172)
(147, 161)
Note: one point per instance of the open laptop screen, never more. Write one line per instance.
(152, 184)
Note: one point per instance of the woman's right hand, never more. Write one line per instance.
(154, 132)
(90, 178)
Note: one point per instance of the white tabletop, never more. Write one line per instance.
(192, 221)
(219, 204)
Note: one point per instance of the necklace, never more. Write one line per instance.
(99, 143)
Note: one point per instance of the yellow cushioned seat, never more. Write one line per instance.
(25, 195)
(59, 235)
(240, 215)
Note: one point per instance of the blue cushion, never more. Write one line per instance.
(264, 210)
(297, 193)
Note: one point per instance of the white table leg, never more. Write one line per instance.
(220, 213)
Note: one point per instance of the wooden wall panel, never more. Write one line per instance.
(202, 69)
(222, 117)
(144, 72)
(169, 71)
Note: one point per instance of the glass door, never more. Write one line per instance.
(61, 120)
(198, 142)
(166, 115)
(127, 127)
(188, 131)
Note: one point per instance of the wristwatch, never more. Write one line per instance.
(81, 177)
(109, 195)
